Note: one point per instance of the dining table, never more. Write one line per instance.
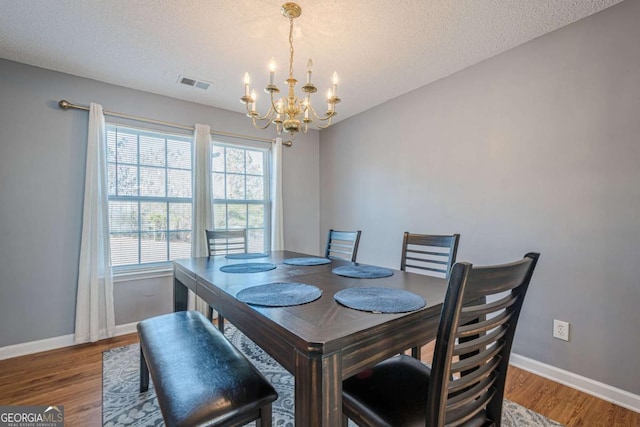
(321, 342)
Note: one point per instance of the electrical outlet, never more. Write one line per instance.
(561, 330)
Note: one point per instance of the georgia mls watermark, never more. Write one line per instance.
(32, 416)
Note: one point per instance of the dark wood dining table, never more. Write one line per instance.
(321, 342)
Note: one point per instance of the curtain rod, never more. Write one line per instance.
(65, 105)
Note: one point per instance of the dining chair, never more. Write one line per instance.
(342, 245)
(429, 254)
(465, 384)
(223, 242)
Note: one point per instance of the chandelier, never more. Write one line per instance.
(290, 113)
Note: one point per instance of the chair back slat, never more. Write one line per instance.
(474, 377)
(494, 280)
(460, 416)
(444, 254)
(418, 268)
(222, 242)
(478, 358)
(475, 328)
(471, 394)
(474, 341)
(432, 261)
(342, 245)
(428, 253)
(475, 311)
(477, 344)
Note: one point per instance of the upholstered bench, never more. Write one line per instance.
(200, 378)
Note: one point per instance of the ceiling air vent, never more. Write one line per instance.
(200, 84)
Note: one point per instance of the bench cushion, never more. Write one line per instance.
(199, 376)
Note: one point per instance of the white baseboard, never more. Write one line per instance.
(32, 347)
(129, 328)
(595, 388)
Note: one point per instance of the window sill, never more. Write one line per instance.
(152, 272)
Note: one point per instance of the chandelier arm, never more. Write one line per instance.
(318, 121)
(274, 106)
(248, 110)
(268, 116)
(255, 119)
(321, 126)
(316, 118)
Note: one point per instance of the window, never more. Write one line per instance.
(150, 195)
(240, 184)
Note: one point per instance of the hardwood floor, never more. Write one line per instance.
(70, 376)
(73, 377)
(564, 404)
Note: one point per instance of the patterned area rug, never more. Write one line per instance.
(123, 405)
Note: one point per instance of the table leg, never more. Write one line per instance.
(318, 390)
(180, 295)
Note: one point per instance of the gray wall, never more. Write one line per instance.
(537, 149)
(42, 157)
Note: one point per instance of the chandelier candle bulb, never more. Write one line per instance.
(272, 71)
(335, 83)
(247, 82)
(309, 70)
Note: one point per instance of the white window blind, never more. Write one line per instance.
(240, 184)
(150, 195)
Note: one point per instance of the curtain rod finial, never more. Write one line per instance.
(64, 104)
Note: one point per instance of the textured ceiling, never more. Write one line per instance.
(380, 48)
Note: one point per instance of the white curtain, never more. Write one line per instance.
(202, 202)
(95, 316)
(277, 227)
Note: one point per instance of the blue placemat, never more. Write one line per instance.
(362, 271)
(248, 255)
(279, 294)
(307, 261)
(249, 267)
(380, 300)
